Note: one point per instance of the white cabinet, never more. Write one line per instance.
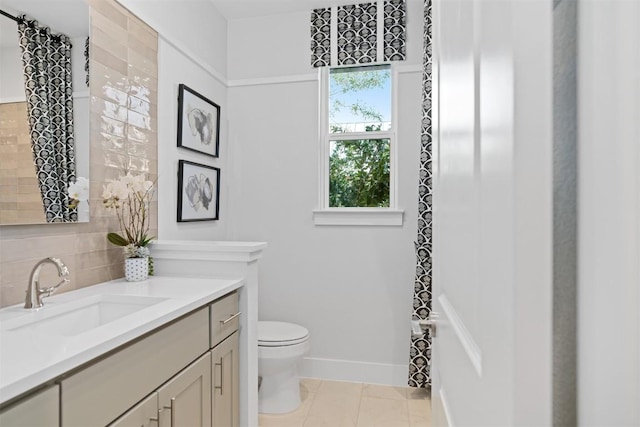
(38, 410)
(226, 382)
(186, 399)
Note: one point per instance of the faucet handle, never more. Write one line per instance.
(63, 271)
(48, 291)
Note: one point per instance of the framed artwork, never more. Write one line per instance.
(198, 192)
(198, 122)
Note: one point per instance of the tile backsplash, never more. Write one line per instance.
(20, 199)
(123, 91)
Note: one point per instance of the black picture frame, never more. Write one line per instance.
(196, 128)
(198, 192)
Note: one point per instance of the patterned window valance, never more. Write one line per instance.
(359, 34)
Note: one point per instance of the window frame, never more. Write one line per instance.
(326, 215)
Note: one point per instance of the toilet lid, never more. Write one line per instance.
(280, 333)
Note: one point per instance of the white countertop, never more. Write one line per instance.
(29, 358)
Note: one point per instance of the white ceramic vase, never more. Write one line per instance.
(136, 269)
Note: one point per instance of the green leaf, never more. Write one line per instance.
(146, 240)
(117, 239)
(359, 173)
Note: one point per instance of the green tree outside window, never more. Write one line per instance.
(359, 173)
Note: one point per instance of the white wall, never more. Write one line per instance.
(195, 26)
(192, 49)
(11, 79)
(350, 286)
(355, 280)
(175, 68)
(81, 106)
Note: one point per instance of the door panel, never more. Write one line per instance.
(186, 399)
(225, 359)
(456, 356)
(492, 226)
(458, 196)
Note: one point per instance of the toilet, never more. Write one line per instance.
(281, 346)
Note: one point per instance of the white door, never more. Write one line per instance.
(492, 212)
(609, 215)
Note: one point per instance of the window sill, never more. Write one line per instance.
(358, 216)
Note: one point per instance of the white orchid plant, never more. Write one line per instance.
(129, 196)
(78, 192)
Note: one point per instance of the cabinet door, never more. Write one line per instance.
(40, 409)
(226, 381)
(144, 414)
(185, 401)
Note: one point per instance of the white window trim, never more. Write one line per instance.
(358, 216)
(325, 215)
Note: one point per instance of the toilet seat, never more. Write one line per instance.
(280, 334)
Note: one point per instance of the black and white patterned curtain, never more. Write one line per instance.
(46, 60)
(87, 60)
(357, 30)
(420, 353)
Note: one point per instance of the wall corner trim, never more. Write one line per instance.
(208, 68)
(196, 59)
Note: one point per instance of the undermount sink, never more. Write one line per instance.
(76, 317)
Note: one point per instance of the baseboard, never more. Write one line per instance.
(361, 372)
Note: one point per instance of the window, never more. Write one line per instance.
(357, 147)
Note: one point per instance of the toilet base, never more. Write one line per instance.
(279, 393)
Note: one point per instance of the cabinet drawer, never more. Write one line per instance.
(224, 318)
(103, 391)
(39, 409)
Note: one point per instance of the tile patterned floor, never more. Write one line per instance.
(345, 404)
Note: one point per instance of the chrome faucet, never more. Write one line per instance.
(34, 293)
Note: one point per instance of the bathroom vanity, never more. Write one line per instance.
(173, 350)
(168, 348)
